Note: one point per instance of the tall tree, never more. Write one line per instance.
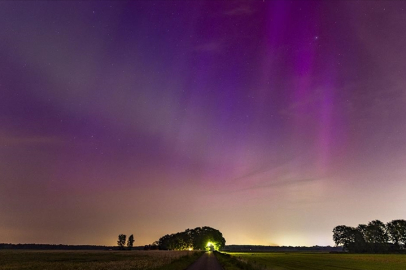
(362, 228)
(130, 242)
(397, 232)
(121, 240)
(206, 236)
(376, 236)
(340, 235)
(350, 238)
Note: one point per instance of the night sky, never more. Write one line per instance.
(271, 121)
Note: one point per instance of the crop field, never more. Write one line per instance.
(322, 261)
(92, 260)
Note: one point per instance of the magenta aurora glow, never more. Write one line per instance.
(272, 121)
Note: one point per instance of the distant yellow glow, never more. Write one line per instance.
(190, 249)
(211, 246)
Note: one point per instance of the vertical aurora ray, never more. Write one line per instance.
(326, 142)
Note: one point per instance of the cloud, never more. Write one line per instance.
(277, 165)
(282, 183)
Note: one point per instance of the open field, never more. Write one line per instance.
(323, 261)
(92, 260)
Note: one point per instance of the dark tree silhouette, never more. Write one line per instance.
(350, 238)
(199, 238)
(397, 233)
(376, 236)
(206, 236)
(362, 228)
(121, 241)
(130, 242)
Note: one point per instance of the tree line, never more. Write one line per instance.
(200, 238)
(121, 241)
(374, 237)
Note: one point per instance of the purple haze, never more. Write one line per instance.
(272, 121)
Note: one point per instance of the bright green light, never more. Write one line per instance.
(211, 246)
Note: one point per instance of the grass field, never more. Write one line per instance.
(92, 260)
(323, 261)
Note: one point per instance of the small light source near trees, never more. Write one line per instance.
(210, 246)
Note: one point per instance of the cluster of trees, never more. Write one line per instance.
(202, 238)
(374, 237)
(121, 241)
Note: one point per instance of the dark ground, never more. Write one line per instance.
(206, 262)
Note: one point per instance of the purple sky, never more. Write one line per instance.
(272, 121)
